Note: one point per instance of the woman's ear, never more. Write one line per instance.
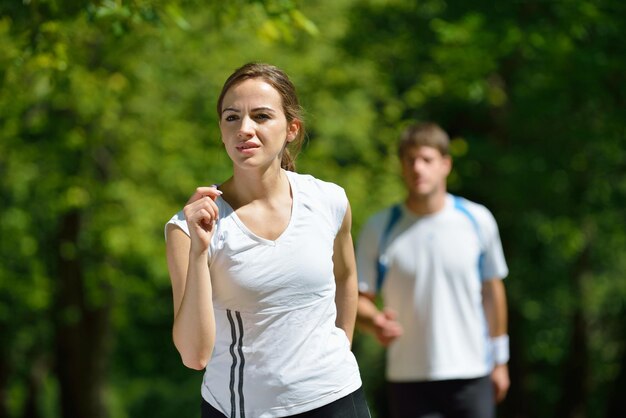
(293, 128)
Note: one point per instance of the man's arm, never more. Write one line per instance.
(495, 306)
(382, 324)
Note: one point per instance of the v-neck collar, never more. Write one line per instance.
(259, 239)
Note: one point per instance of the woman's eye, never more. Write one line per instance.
(230, 118)
(263, 116)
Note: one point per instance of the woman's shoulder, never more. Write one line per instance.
(177, 220)
(327, 197)
(307, 181)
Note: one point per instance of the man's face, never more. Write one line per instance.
(425, 170)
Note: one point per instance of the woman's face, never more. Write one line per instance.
(253, 124)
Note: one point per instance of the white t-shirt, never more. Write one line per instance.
(278, 351)
(435, 268)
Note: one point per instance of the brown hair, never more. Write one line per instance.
(276, 78)
(426, 134)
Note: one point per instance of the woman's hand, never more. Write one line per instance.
(201, 213)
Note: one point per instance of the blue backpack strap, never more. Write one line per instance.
(394, 217)
(459, 204)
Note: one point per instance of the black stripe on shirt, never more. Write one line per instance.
(233, 334)
(243, 361)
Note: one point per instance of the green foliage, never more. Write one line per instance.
(107, 123)
(104, 121)
(532, 90)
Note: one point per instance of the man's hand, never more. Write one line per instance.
(386, 327)
(501, 382)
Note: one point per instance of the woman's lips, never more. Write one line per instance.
(249, 145)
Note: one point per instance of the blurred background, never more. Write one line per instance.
(108, 123)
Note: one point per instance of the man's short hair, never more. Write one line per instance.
(427, 134)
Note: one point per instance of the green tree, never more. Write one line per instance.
(107, 123)
(533, 92)
(85, 158)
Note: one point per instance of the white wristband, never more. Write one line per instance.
(500, 349)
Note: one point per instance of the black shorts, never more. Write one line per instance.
(350, 406)
(460, 398)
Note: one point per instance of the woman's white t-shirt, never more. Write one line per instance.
(278, 351)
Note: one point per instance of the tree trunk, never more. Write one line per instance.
(38, 371)
(82, 332)
(515, 404)
(4, 381)
(617, 402)
(573, 402)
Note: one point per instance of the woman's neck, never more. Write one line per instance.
(246, 186)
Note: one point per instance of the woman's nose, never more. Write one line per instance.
(246, 128)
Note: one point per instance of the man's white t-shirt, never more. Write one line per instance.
(435, 268)
(278, 351)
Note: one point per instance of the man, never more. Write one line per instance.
(437, 262)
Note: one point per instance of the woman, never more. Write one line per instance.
(262, 269)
